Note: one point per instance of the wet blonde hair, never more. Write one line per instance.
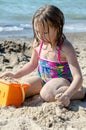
(52, 16)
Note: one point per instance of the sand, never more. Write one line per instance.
(34, 114)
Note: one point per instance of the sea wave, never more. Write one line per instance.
(20, 27)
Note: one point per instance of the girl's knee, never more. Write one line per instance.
(79, 94)
(47, 95)
(82, 92)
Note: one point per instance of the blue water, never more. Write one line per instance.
(16, 16)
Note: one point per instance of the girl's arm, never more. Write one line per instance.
(75, 70)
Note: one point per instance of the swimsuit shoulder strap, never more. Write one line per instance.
(40, 47)
(59, 60)
(59, 51)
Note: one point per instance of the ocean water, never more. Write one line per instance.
(16, 16)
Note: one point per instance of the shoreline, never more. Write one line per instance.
(27, 37)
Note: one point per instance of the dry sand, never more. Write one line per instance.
(34, 114)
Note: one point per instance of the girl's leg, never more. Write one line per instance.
(79, 94)
(57, 86)
(35, 87)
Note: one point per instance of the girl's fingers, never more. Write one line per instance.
(6, 75)
(58, 96)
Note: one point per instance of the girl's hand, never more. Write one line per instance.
(65, 100)
(7, 74)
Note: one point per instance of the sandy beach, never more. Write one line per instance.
(34, 114)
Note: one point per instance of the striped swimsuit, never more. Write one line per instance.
(50, 69)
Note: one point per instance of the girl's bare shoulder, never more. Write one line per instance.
(67, 46)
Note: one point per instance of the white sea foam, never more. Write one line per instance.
(14, 28)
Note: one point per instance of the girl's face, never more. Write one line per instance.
(45, 33)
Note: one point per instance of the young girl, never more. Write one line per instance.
(59, 74)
